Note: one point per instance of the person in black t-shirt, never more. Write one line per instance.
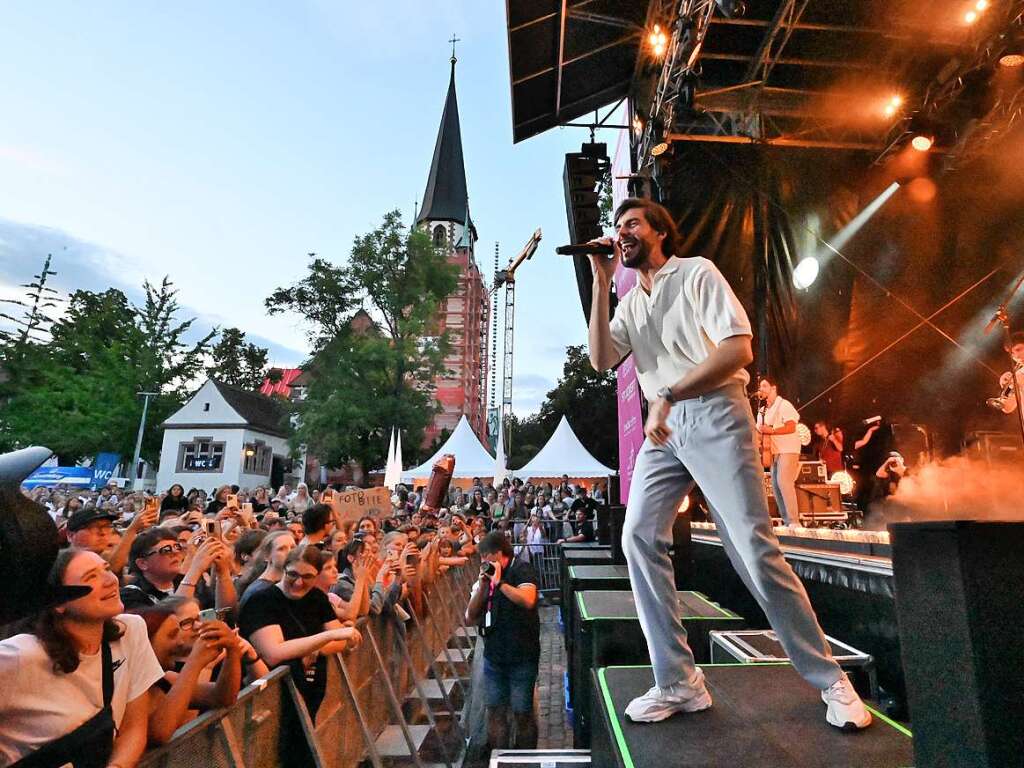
(292, 623)
(582, 527)
(504, 604)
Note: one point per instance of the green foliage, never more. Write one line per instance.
(376, 350)
(588, 399)
(77, 393)
(237, 362)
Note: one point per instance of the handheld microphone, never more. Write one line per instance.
(872, 420)
(583, 249)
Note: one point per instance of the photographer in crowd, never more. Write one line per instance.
(504, 606)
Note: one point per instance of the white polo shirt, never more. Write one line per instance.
(776, 415)
(691, 309)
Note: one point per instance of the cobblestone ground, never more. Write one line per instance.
(553, 728)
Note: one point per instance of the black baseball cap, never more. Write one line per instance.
(83, 517)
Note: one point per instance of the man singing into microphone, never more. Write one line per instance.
(690, 340)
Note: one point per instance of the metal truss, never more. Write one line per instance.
(952, 81)
(761, 127)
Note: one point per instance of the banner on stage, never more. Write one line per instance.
(368, 502)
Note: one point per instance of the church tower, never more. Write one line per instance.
(444, 215)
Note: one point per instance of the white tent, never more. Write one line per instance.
(500, 463)
(471, 458)
(390, 476)
(564, 454)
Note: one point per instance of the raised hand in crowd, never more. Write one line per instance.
(147, 518)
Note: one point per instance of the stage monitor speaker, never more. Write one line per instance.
(818, 498)
(958, 601)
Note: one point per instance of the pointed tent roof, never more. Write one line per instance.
(564, 454)
(446, 198)
(471, 458)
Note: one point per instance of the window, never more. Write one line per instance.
(201, 455)
(257, 458)
(206, 406)
(440, 235)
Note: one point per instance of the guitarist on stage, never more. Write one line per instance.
(777, 422)
(690, 341)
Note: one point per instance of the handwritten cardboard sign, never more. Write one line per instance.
(372, 502)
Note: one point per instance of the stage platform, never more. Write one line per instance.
(764, 716)
(588, 577)
(606, 630)
(592, 554)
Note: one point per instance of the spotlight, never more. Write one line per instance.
(922, 142)
(661, 142)
(658, 40)
(638, 125)
(981, 5)
(806, 272)
(971, 16)
(1009, 60)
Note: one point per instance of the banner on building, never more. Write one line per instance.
(103, 469)
(369, 502)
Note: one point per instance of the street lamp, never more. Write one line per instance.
(138, 440)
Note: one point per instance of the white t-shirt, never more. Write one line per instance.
(776, 415)
(38, 705)
(690, 311)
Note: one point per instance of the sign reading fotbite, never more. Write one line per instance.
(372, 502)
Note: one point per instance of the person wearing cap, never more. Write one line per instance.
(92, 528)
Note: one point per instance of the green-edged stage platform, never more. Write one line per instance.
(764, 716)
(588, 577)
(606, 631)
(592, 554)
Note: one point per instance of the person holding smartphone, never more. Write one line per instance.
(294, 624)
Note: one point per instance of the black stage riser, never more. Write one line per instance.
(856, 607)
(764, 716)
(960, 599)
(610, 633)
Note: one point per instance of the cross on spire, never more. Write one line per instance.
(453, 41)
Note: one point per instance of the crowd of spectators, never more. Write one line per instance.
(195, 594)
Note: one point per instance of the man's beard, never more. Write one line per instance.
(637, 255)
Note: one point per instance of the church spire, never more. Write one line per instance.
(446, 198)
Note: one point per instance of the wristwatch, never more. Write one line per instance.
(666, 393)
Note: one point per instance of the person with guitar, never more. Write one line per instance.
(1007, 400)
(777, 421)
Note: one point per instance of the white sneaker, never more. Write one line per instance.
(660, 703)
(845, 709)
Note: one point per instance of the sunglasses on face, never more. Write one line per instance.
(165, 550)
(296, 576)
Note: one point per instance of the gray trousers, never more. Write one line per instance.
(785, 468)
(712, 444)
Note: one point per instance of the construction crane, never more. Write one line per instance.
(507, 278)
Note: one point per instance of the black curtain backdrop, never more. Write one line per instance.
(755, 211)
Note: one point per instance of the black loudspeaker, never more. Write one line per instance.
(604, 529)
(616, 517)
(960, 609)
(612, 497)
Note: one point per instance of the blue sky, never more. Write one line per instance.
(218, 143)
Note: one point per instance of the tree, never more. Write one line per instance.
(374, 331)
(236, 362)
(34, 321)
(77, 394)
(589, 401)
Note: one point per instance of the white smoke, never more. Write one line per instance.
(956, 488)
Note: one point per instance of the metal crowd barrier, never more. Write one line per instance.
(546, 559)
(375, 687)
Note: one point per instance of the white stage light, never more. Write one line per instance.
(805, 273)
